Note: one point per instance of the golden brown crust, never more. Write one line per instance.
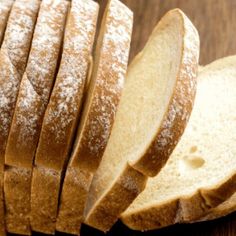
(153, 218)
(60, 120)
(44, 194)
(13, 61)
(106, 211)
(109, 69)
(17, 187)
(183, 210)
(175, 120)
(72, 200)
(36, 84)
(5, 8)
(225, 208)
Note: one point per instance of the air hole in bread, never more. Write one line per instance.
(193, 149)
(193, 162)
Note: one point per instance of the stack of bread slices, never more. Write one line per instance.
(85, 138)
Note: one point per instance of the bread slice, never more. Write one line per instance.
(60, 120)
(110, 65)
(5, 8)
(200, 173)
(107, 79)
(31, 103)
(13, 58)
(152, 114)
(228, 206)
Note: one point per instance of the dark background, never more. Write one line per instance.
(216, 23)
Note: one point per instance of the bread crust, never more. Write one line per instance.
(109, 69)
(5, 8)
(17, 183)
(60, 120)
(72, 200)
(31, 103)
(180, 104)
(98, 209)
(36, 84)
(13, 59)
(61, 117)
(106, 211)
(225, 208)
(44, 194)
(183, 210)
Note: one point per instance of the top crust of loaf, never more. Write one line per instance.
(105, 183)
(36, 84)
(62, 112)
(193, 204)
(13, 59)
(111, 58)
(180, 104)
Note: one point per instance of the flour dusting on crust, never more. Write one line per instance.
(68, 91)
(34, 95)
(5, 7)
(107, 82)
(13, 58)
(181, 103)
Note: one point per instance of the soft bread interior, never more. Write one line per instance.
(148, 89)
(205, 156)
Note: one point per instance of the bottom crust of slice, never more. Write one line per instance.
(225, 208)
(73, 197)
(107, 210)
(45, 189)
(183, 210)
(17, 182)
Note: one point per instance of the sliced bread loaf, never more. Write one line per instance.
(200, 173)
(61, 116)
(31, 103)
(111, 58)
(152, 114)
(5, 8)
(13, 58)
